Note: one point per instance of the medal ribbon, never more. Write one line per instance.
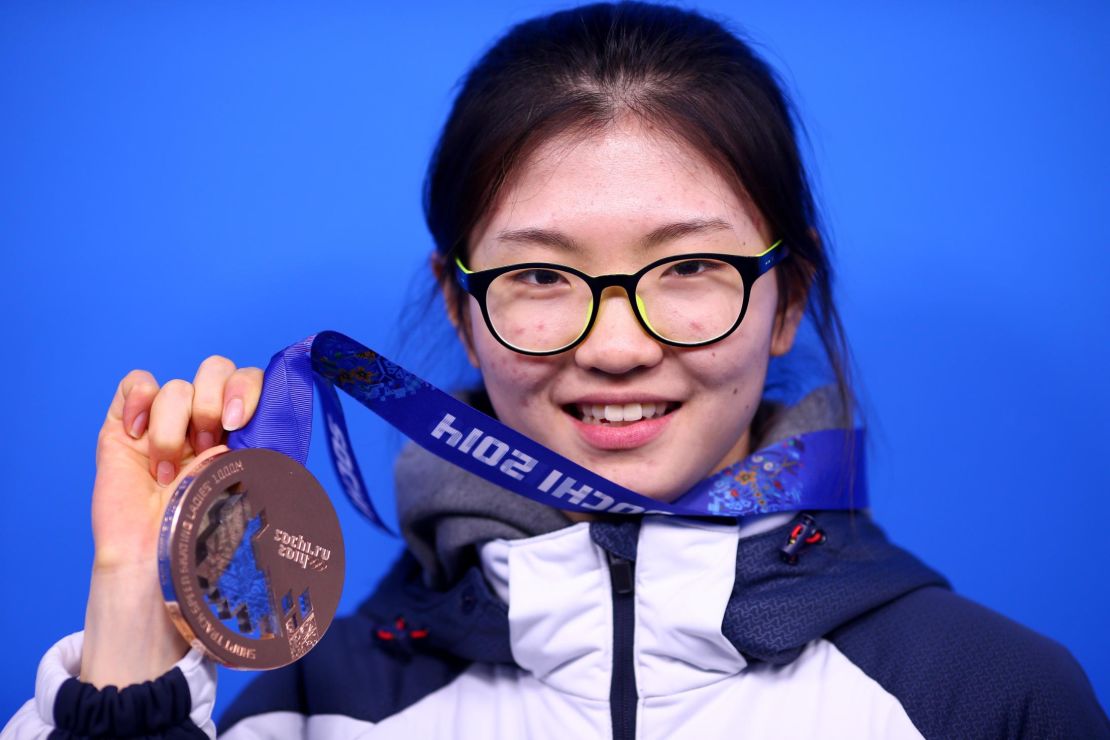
(815, 470)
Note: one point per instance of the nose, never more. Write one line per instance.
(617, 343)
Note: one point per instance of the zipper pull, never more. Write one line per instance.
(621, 574)
(803, 532)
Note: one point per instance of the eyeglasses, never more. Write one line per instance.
(688, 300)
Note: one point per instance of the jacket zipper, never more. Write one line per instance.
(622, 690)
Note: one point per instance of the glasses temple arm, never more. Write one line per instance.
(771, 256)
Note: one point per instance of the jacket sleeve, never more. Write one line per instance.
(962, 670)
(176, 705)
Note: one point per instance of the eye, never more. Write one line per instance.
(687, 268)
(539, 277)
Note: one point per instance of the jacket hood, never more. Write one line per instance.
(446, 512)
(775, 608)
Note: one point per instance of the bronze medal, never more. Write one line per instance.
(251, 559)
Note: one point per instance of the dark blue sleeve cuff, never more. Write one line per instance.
(158, 708)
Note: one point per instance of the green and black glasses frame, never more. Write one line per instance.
(748, 268)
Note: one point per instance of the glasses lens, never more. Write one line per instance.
(691, 300)
(539, 309)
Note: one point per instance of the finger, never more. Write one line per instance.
(241, 394)
(169, 419)
(192, 467)
(131, 404)
(208, 400)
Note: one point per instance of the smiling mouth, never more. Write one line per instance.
(619, 414)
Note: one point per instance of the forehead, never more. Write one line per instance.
(606, 190)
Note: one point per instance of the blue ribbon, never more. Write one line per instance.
(816, 470)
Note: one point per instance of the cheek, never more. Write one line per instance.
(514, 381)
(740, 360)
(734, 365)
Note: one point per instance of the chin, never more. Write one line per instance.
(632, 475)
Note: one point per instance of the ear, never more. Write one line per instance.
(456, 314)
(786, 325)
(790, 317)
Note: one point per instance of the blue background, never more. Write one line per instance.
(182, 179)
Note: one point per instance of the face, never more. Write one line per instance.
(588, 203)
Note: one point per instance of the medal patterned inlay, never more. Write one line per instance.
(251, 559)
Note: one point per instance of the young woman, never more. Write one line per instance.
(609, 140)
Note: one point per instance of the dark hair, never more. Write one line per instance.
(576, 71)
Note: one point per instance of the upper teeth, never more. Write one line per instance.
(621, 411)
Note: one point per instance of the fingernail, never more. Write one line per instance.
(165, 473)
(233, 414)
(204, 441)
(138, 425)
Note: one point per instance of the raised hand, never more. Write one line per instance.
(150, 439)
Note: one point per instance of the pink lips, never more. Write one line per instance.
(623, 437)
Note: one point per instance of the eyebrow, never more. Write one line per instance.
(683, 228)
(660, 235)
(546, 237)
